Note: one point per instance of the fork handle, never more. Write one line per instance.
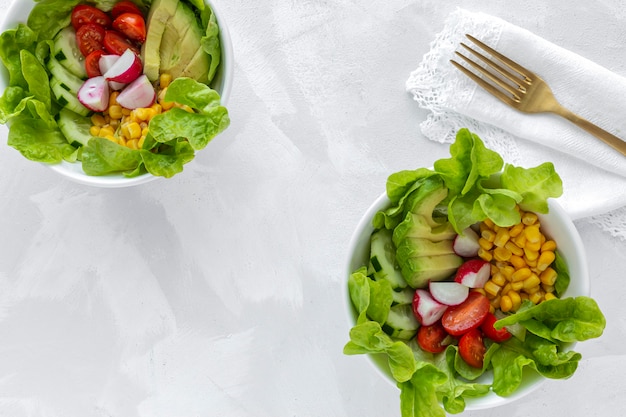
(608, 138)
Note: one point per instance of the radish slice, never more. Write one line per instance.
(126, 69)
(426, 309)
(105, 63)
(94, 94)
(448, 293)
(466, 244)
(473, 273)
(139, 93)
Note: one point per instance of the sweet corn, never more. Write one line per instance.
(115, 111)
(521, 258)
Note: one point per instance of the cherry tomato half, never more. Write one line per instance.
(125, 6)
(430, 338)
(83, 14)
(466, 316)
(132, 25)
(116, 43)
(491, 332)
(472, 349)
(90, 37)
(92, 63)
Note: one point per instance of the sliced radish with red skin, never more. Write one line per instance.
(466, 244)
(448, 293)
(126, 69)
(139, 93)
(94, 94)
(473, 273)
(426, 309)
(105, 63)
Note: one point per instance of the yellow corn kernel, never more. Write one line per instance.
(113, 98)
(532, 234)
(485, 255)
(495, 301)
(516, 300)
(517, 285)
(507, 271)
(534, 246)
(165, 80)
(521, 274)
(517, 261)
(485, 244)
(114, 123)
(145, 113)
(94, 130)
(132, 143)
(166, 105)
(157, 108)
(547, 288)
(97, 119)
(514, 249)
(501, 254)
(530, 254)
(134, 130)
(479, 290)
(121, 141)
(111, 138)
(531, 282)
(145, 131)
(499, 279)
(115, 111)
(488, 234)
(545, 260)
(489, 223)
(140, 142)
(125, 111)
(502, 236)
(505, 303)
(492, 288)
(549, 296)
(516, 230)
(549, 245)
(536, 297)
(529, 218)
(532, 263)
(106, 131)
(548, 276)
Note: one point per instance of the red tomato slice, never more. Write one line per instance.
(92, 63)
(466, 316)
(430, 338)
(116, 43)
(491, 332)
(89, 38)
(125, 7)
(132, 25)
(472, 349)
(83, 14)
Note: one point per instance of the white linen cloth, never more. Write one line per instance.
(594, 175)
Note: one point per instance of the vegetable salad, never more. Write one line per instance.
(456, 286)
(84, 86)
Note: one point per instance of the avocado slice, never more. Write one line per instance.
(182, 45)
(418, 271)
(416, 225)
(426, 198)
(416, 246)
(160, 13)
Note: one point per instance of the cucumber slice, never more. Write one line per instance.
(64, 76)
(67, 98)
(403, 296)
(401, 322)
(66, 52)
(74, 127)
(383, 259)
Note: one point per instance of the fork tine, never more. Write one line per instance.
(526, 74)
(498, 81)
(508, 75)
(484, 84)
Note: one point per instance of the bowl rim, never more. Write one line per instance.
(73, 171)
(531, 381)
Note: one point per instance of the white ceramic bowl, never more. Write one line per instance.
(556, 224)
(18, 13)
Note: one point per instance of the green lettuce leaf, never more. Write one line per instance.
(535, 185)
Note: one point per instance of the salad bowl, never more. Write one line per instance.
(222, 82)
(556, 224)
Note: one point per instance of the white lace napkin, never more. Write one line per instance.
(594, 175)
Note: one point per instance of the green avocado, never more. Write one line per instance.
(419, 270)
(426, 198)
(182, 45)
(160, 14)
(415, 246)
(417, 226)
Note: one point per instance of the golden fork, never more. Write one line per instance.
(524, 90)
